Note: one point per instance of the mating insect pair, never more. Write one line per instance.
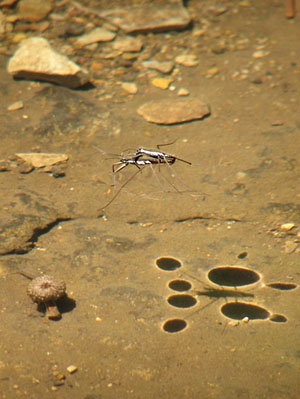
(142, 158)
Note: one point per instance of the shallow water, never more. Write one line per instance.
(121, 327)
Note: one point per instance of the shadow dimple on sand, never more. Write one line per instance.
(282, 286)
(240, 311)
(232, 276)
(182, 301)
(180, 285)
(174, 325)
(278, 318)
(168, 264)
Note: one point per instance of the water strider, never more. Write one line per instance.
(141, 158)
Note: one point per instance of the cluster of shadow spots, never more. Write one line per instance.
(230, 281)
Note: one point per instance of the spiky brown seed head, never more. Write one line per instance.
(46, 289)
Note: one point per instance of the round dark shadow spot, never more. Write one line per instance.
(242, 255)
(168, 264)
(278, 318)
(182, 301)
(239, 310)
(174, 325)
(282, 286)
(180, 285)
(231, 276)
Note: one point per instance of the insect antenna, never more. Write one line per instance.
(163, 145)
(106, 153)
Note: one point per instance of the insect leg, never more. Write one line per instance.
(121, 188)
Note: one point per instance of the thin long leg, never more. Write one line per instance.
(121, 188)
(177, 177)
(156, 177)
(123, 165)
(167, 180)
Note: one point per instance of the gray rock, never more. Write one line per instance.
(170, 15)
(36, 60)
(170, 112)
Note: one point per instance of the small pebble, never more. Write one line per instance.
(259, 54)
(4, 166)
(244, 3)
(161, 83)
(234, 323)
(129, 56)
(25, 168)
(241, 175)
(198, 32)
(128, 44)
(218, 48)
(213, 71)
(183, 92)
(15, 106)
(188, 60)
(287, 226)
(18, 37)
(289, 247)
(277, 123)
(72, 369)
(131, 88)
(95, 36)
(164, 67)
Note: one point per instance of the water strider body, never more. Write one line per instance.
(142, 158)
(162, 157)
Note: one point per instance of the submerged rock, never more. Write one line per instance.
(169, 112)
(36, 60)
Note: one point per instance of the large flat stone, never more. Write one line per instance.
(170, 112)
(149, 17)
